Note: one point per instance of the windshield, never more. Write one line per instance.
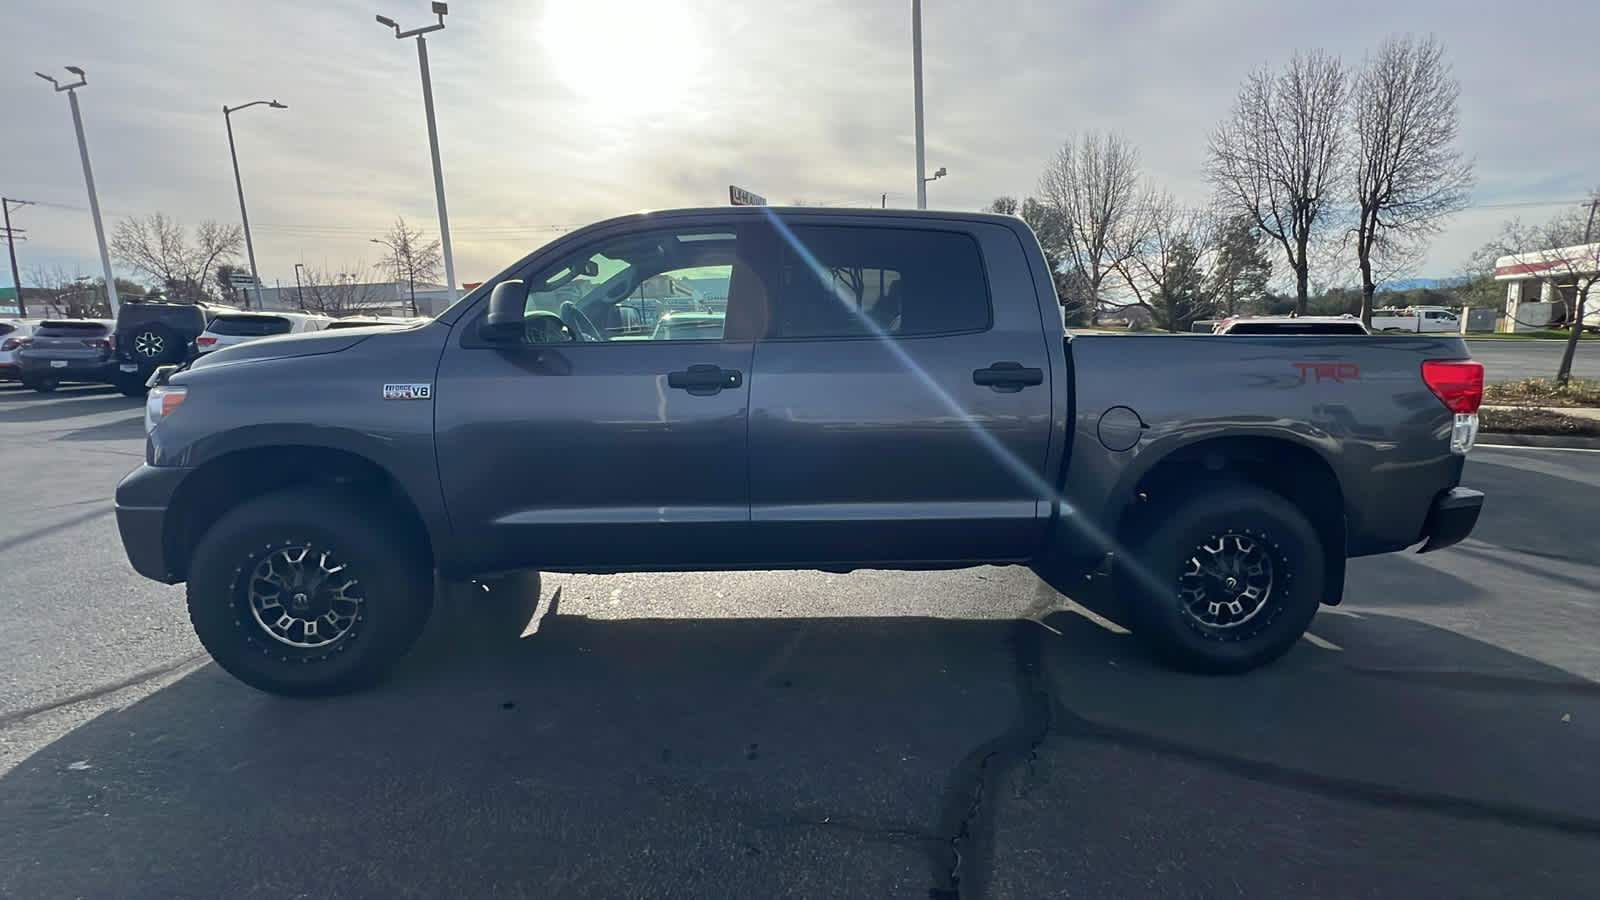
(250, 326)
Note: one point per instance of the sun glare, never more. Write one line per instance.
(622, 56)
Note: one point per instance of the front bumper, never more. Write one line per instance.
(1452, 518)
(142, 500)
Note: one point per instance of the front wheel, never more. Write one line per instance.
(303, 592)
(1227, 581)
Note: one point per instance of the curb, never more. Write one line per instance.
(1574, 442)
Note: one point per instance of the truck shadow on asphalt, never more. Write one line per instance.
(903, 757)
(26, 406)
(128, 429)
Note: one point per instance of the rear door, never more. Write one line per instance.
(901, 405)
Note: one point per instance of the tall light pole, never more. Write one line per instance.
(249, 248)
(439, 9)
(916, 80)
(88, 178)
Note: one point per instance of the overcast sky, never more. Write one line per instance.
(554, 113)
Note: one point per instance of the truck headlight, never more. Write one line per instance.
(160, 403)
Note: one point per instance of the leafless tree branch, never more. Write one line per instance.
(1407, 172)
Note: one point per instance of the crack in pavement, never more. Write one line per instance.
(964, 854)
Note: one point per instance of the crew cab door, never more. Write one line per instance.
(901, 407)
(595, 442)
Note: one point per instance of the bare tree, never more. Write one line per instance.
(344, 293)
(1276, 158)
(76, 296)
(159, 247)
(1164, 276)
(1099, 212)
(411, 259)
(1407, 172)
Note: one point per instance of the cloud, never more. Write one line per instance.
(552, 114)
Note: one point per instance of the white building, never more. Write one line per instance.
(1541, 284)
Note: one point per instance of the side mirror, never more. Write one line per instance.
(507, 302)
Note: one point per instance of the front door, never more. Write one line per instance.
(603, 441)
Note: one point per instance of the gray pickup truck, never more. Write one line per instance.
(880, 389)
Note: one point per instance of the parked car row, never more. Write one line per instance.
(125, 352)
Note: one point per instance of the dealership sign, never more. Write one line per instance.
(738, 196)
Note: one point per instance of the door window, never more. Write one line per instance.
(654, 286)
(842, 281)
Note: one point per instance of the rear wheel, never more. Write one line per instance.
(44, 384)
(298, 593)
(1226, 581)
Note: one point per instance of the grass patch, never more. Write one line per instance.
(1535, 421)
(1544, 392)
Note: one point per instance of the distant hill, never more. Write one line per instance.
(1413, 284)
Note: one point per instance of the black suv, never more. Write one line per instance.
(152, 334)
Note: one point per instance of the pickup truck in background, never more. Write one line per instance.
(888, 389)
(1417, 320)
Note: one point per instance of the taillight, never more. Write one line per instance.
(97, 343)
(205, 341)
(1458, 383)
(15, 344)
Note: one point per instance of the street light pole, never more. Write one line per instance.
(249, 247)
(441, 10)
(916, 79)
(88, 178)
(299, 294)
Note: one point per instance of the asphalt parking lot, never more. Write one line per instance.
(804, 734)
(1512, 360)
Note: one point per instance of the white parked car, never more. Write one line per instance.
(14, 334)
(1417, 319)
(239, 327)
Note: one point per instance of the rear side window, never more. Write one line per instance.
(250, 326)
(840, 281)
(6, 328)
(71, 329)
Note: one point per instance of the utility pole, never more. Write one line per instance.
(11, 245)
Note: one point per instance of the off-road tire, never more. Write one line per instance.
(1171, 606)
(389, 567)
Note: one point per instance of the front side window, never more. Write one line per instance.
(659, 285)
(843, 281)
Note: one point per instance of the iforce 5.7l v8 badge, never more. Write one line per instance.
(408, 392)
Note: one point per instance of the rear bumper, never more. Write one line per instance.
(1452, 518)
(74, 370)
(142, 500)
